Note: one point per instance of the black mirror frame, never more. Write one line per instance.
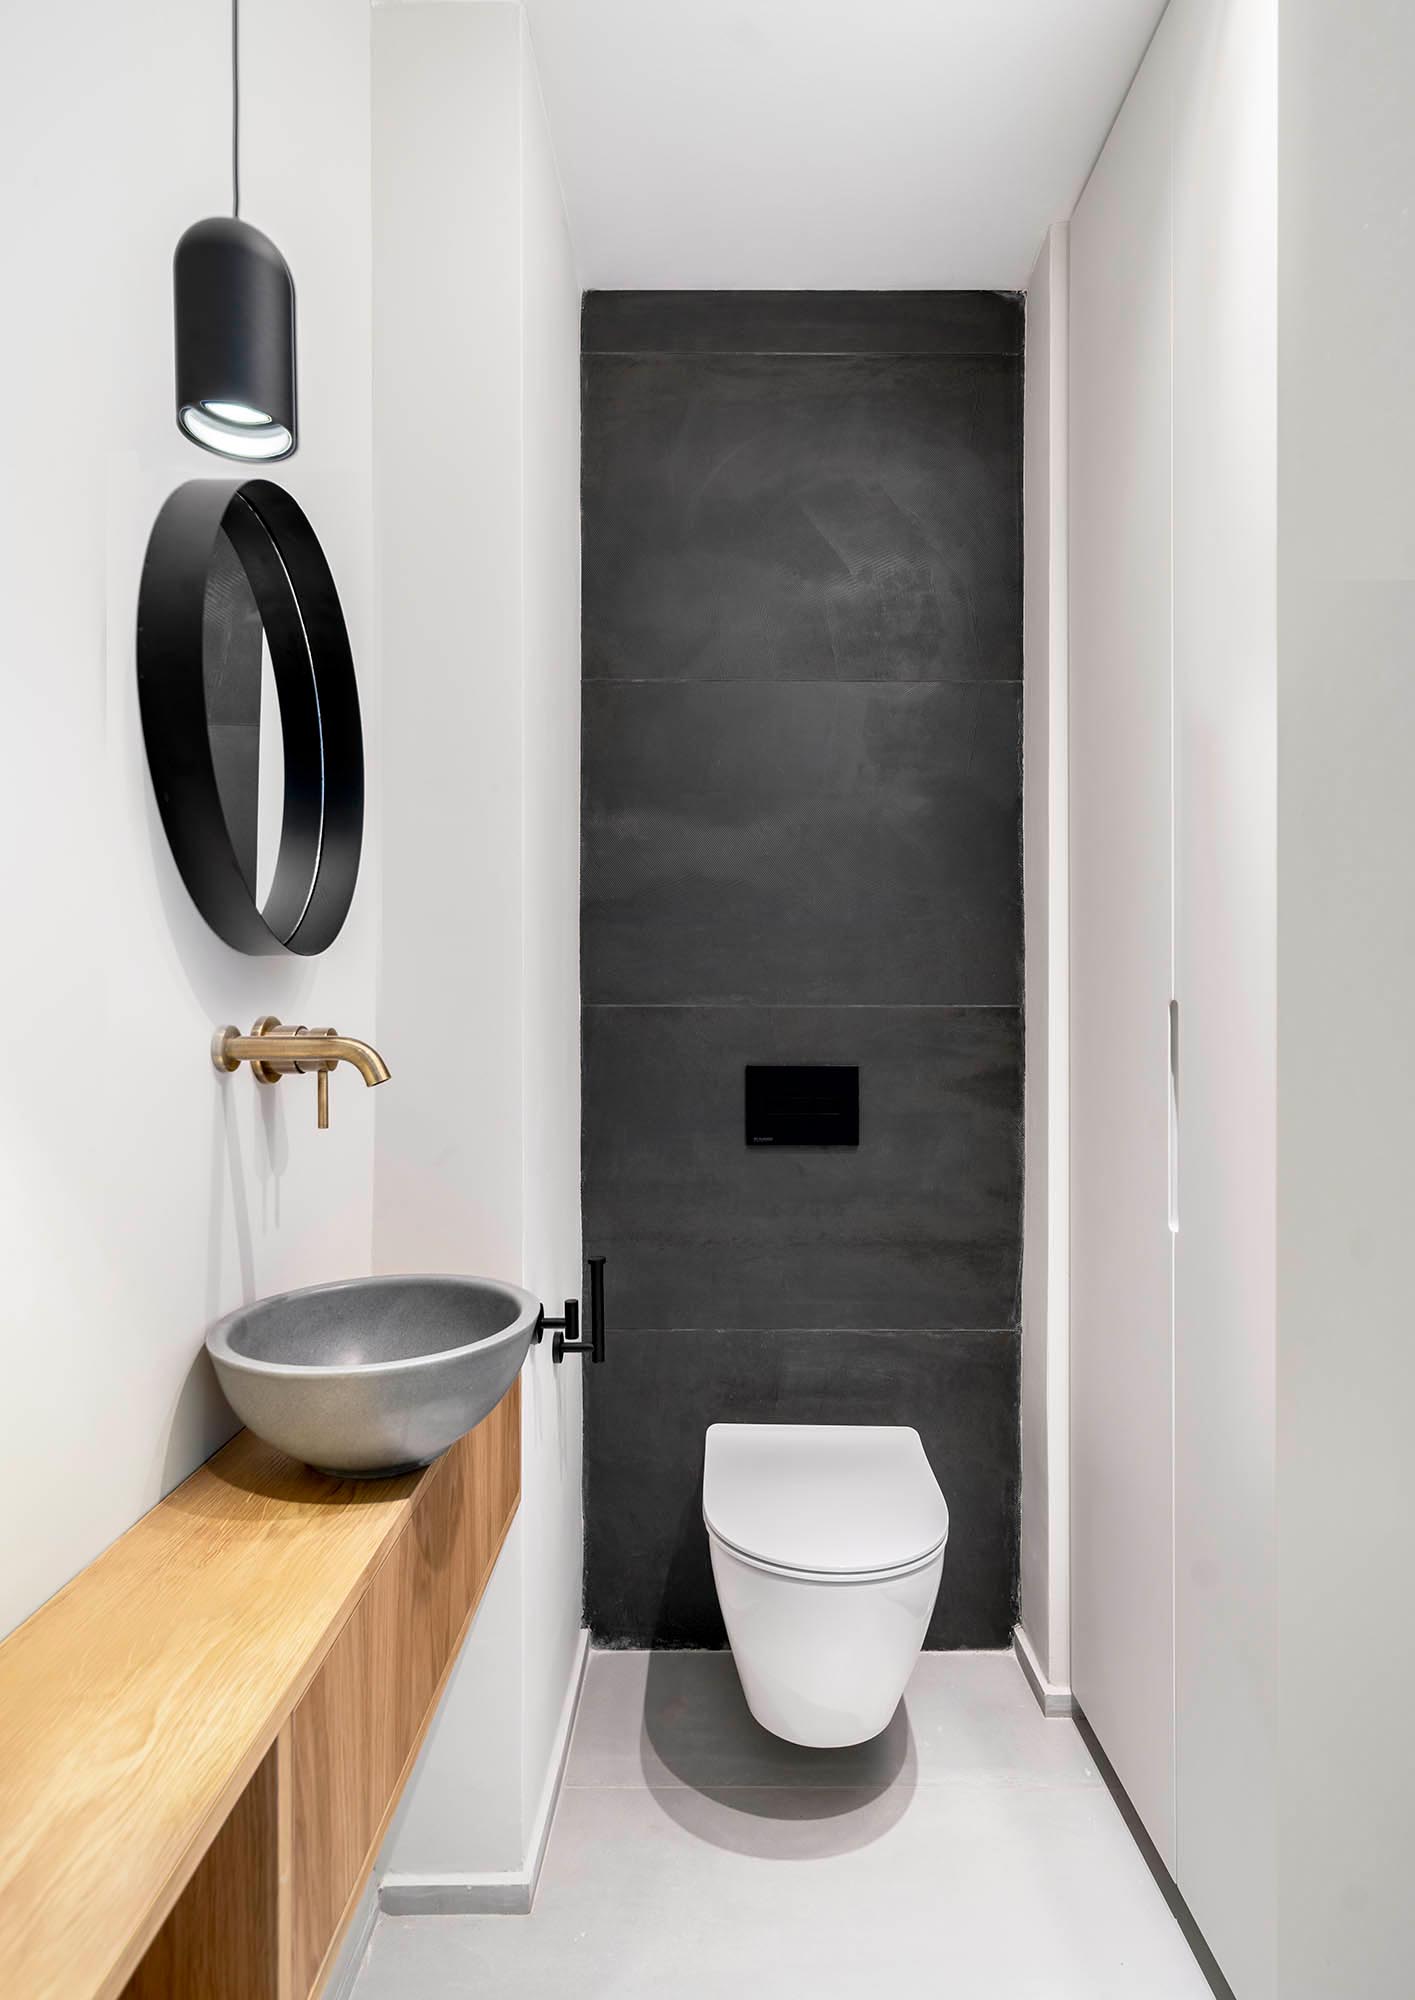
(322, 824)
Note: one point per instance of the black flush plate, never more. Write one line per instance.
(803, 1104)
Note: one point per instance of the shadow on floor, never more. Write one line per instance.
(716, 1772)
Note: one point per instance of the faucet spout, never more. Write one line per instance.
(361, 1056)
(274, 1050)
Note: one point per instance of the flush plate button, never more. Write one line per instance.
(803, 1104)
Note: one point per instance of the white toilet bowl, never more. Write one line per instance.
(827, 1544)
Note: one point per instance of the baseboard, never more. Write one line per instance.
(510, 1892)
(1168, 1887)
(347, 1966)
(555, 1775)
(1052, 1698)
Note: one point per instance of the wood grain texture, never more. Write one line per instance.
(285, 1865)
(137, 1705)
(221, 1940)
(357, 1731)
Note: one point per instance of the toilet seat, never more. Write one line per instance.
(834, 1502)
(840, 1576)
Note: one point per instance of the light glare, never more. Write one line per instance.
(237, 413)
(239, 439)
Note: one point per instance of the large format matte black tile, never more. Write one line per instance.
(802, 323)
(649, 1580)
(802, 518)
(917, 1227)
(802, 638)
(802, 843)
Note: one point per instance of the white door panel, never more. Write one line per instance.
(1121, 1246)
(1225, 744)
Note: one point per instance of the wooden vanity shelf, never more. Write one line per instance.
(204, 1735)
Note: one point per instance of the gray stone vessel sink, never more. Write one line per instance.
(373, 1376)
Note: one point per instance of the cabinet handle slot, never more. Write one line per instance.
(1174, 1117)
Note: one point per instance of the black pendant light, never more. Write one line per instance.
(235, 325)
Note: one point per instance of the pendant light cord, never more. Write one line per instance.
(236, 108)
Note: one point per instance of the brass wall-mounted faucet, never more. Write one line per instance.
(273, 1051)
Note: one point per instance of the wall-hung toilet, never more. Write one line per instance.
(827, 1545)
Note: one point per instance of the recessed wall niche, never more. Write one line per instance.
(250, 715)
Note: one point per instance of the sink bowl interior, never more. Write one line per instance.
(372, 1321)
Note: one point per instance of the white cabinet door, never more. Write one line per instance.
(1225, 750)
(1122, 1579)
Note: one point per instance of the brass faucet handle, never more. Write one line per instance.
(321, 1075)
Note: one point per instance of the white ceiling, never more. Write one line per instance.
(827, 143)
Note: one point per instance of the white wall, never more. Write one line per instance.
(476, 309)
(141, 1195)
(1046, 1562)
(550, 811)
(1346, 965)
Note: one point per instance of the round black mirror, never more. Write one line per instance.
(239, 623)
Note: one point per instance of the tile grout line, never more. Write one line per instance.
(778, 686)
(1013, 354)
(827, 1333)
(809, 1006)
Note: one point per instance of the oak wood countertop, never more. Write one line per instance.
(137, 1703)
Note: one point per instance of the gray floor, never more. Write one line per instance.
(972, 1850)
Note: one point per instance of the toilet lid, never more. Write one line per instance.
(837, 1499)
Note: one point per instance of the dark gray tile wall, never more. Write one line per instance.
(648, 1407)
(844, 844)
(802, 323)
(802, 730)
(918, 1228)
(801, 517)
